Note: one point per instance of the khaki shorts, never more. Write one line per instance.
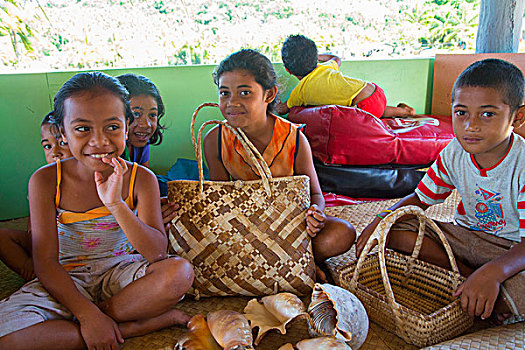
(97, 281)
(474, 249)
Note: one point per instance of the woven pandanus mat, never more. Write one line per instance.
(497, 338)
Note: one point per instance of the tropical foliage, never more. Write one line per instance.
(129, 33)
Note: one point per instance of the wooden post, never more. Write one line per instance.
(499, 27)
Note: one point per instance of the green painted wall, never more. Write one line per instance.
(26, 98)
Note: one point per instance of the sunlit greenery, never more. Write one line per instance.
(129, 33)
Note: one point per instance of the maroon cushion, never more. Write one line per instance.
(350, 136)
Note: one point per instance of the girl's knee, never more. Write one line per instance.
(176, 274)
(336, 238)
(341, 232)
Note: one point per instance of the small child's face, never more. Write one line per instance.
(482, 122)
(54, 147)
(145, 112)
(95, 127)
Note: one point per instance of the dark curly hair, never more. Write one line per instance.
(89, 81)
(255, 63)
(48, 120)
(497, 74)
(140, 85)
(299, 55)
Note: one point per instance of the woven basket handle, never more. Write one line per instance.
(380, 235)
(254, 155)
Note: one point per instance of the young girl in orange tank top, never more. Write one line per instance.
(93, 290)
(247, 90)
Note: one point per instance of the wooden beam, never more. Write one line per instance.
(499, 27)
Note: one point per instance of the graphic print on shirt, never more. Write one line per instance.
(488, 211)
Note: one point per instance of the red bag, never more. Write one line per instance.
(351, 136)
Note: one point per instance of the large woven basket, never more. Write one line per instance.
(243, 237)
(403, 294)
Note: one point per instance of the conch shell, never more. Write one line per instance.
(230, 329)
(323, 343)
(198, 337)
(274, 312)
(286, 346)
(336, 312)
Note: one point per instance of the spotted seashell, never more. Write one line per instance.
(335, 312)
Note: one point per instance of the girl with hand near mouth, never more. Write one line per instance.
(89, 214)
(148, 109)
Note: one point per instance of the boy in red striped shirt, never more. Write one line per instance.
(485, 163)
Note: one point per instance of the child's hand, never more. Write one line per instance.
(479, 292)
(315, 220)
(110, 190)
(169, 211)
(100, 331)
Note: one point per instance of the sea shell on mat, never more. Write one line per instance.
(198, 336)
(274, 312)
(286, 346)
(336, 312)
(230, 329)
(322, 343)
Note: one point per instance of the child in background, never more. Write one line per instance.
(15, 245)
(88, 215)
(485, 164)
(148, 109)
(55, 148)
(324, 84)
(247, 89)
(146, 129)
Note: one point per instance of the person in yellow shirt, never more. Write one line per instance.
(324, 84)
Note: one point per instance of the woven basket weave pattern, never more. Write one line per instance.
(407, 296)
(243, 237)
(241, 242)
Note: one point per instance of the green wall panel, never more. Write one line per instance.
(26, 98)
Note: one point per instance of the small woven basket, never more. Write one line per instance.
(404, 295)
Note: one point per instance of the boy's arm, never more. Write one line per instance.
(95, 326)
(481, 289)
(327, 57)
(411, 199)
(217, 171)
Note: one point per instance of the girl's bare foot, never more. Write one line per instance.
(498, 319)
(500, 313)
(140, 327)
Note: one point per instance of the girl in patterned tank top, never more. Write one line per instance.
(247, 90)
(90, 214)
